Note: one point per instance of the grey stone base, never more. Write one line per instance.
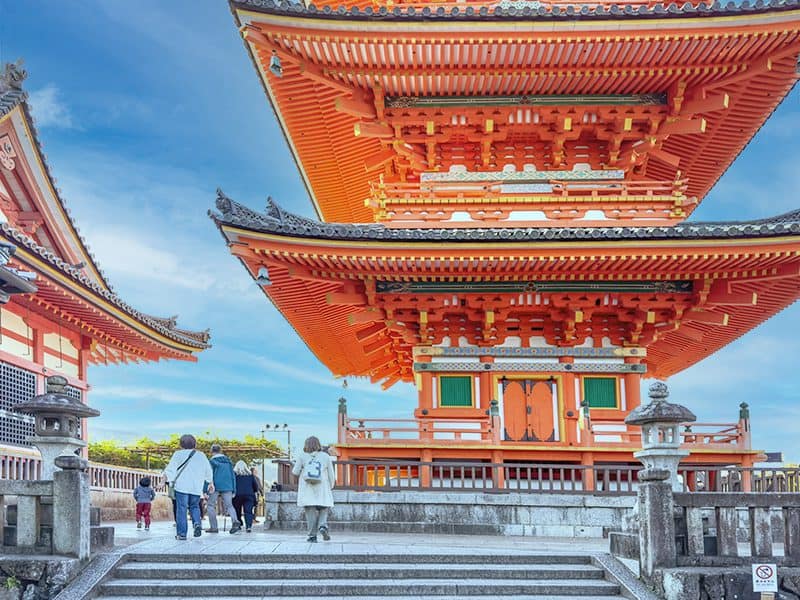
(529, 514)
(101, 538)
(720, 583)
(37, 577)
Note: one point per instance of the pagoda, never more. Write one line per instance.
(503, 191)
(58, 313)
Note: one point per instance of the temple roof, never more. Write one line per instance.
(353, 290)
(520, 10)
(84, 275)
(164, 326)
(12, 95)
(368, 94)
(276, 220)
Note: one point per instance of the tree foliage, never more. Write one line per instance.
(145, 451)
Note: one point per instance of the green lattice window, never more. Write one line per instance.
(600, 392)
(455, 391)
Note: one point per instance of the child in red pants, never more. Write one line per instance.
(144, 495)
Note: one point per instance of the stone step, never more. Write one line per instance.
(423, 597)
(334, 557)
(372, 570)
(357, 587)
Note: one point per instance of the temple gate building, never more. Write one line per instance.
(503, 191)
(58, 313)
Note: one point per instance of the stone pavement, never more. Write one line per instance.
(161, 538)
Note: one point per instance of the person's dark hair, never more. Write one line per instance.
(188, 442)
(216, 448)
(312, 445)
(144, 482)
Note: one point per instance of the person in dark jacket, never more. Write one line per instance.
(144, 495)
(224, 487)
(246, 490)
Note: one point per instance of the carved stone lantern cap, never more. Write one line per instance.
(658, 410)
(56, 401)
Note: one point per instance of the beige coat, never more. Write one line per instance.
(315, 494)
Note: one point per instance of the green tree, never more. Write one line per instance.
(145, 452)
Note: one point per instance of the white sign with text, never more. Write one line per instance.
(765, 578)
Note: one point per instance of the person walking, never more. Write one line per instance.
(187, 473)
(224, 487)
(314, 492)
(144, 495)
(246, 490)
(259, 495)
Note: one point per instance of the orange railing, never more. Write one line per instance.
(619, 479)
(715, 435)
(441, 430)
(495, 200)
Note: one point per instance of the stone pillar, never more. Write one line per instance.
(656, 522)
(71, 526)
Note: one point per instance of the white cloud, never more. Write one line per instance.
(166, 396)
(48, 110)
(125, 253)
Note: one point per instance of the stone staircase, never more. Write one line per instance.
(464, 576)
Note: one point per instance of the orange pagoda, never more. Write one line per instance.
(58, 313)
(503, 190)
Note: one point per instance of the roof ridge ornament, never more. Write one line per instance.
(224, 203)
(12, 76)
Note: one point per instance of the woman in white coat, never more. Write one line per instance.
(316, 480)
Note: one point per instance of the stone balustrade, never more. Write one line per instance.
(21, 464)
(50, 517)
(725, 510)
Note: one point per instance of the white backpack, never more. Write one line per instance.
(313, 470)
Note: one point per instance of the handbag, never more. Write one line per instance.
(171, 485)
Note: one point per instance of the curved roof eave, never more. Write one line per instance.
(275, 220)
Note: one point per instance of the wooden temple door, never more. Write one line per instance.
(528, 413)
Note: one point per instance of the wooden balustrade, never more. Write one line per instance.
(441, 430)
(393, 475)
(725, 509)
(601, 432)
(397, 475)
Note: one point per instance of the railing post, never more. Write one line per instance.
(744, 425)
(656, 521)
(760, 531)
(498, 473)
(342, 420)
(71, 499)
(425, 470)
(28, 520)
(494, 416)
(791, 523)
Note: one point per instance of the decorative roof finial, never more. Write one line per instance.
(224, 204)
(658, 391)
(12, 77)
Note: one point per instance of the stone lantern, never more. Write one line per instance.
(661, 439)
(58, 423)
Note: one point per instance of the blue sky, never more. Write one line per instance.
(145, 108)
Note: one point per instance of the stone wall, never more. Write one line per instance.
(708, 583)
(31, 578)
(116, 505)
(534, 514)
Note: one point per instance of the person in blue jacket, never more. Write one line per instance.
(224, 487)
